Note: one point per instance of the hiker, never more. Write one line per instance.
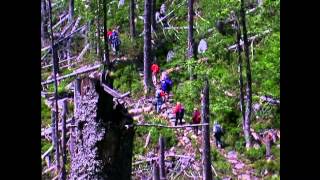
(109, 34)
(217, 131)
(115, 42)
(268, 138)
(179, 111)
(155, 70)
(166, 86)
(158, 102)
(196, 118)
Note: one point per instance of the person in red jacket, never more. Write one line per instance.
(179, 111)
(196, 118)
(155, 70)
(109, 33)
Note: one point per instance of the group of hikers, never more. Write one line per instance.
(163, 88)
(114, 40)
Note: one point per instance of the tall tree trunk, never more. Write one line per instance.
(64, 140)
(99, 49)
(131, 18)
(70, 19)
(44, 21)
(105, 30)
(190, 29)
(161, 158)
(153, 14)
(248, 76)
(54, 137)
(239, 49)
(147, 45)
(155, 171)
(206, 158)
(55, 70)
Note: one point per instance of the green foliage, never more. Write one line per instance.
(255, 154)
(272, 167)
(127, 79)
(219, 163)
(45, 114)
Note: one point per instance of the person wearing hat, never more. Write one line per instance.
(196, 118)
(217, 131)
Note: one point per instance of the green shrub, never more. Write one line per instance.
(255, 154)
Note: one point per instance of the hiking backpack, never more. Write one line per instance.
(217, 129)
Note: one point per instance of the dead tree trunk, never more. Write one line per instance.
(76, 96)
(206, 158)
(105, 30)
(64, 140)
(55, 138)
(70, 19)
(103, 144)
(99, 49)
(248, 76)
(161, 158)
(147, 45)
(131, 17)
(239, 49)
(190, 29)
(153, 15)
(55, 71)
(155, 171)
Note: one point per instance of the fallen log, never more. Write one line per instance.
(49, 169)
(64, 38)
(47, 152)
(234, 47)
(114, 93)
(73, 74)
(61, 21)
(65, 60)
(161, 19)
(84, 50)
(164, 126)
(48, 130)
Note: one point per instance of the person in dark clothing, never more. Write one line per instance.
(217, 131)
(196, 118)
(159, 101)
(115, 42)
(179, 111)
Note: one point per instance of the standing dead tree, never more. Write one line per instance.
(147, 46)
(131, 18)
(55, 71)
(161, 158)
(247, 121)
(64, 139)
(206, 158)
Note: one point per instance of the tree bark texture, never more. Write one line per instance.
(147, 45)
(131, 18)
(190, 29)
(103, 145)
(206, 158)
(161, 158)
(248, 77)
